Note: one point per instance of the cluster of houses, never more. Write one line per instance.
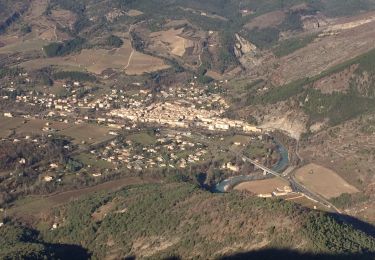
(182, 108)
(279, 191)
(178, 107)
(176, 115)
(170, 150)
(198, 97)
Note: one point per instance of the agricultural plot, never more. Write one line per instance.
(323, 181)
(87, 133)
(142, 138)
(35, 126)
(172, 41)
(27, 126)
(89, 159)
(22, 45)
(98, 60)
(141, 63)
(8, 124)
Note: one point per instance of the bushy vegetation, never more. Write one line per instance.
(328, 235)
(347, 200)
(278, 94)
(343, 8)
(60, 49)
(265, 37)
(21, 243)
(11, 153)
(77, 7)
(227, 58)
(338, 107)
(114, 41)
(9, 21)
(10, 72)
(74, 75)
(25, 28)
(293, 22)
(73, 165)
(177, 213)
(291, 45)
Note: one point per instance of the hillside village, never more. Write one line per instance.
(124, 116)
(180, 107)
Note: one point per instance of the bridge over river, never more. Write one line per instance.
(280, 170)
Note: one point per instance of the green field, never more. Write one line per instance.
(143, 138)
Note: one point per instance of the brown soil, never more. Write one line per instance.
(266, 20)
(323, 181)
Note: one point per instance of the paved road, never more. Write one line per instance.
(296, 186)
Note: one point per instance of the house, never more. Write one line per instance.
(22, 161)
(8, 115)
(232, 167)
(54, 166)
(48, 178)
(267, 195)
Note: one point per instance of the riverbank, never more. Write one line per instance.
(281, 165)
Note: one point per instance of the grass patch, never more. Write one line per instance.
(88, 159)
(291, 45)
(142, 138)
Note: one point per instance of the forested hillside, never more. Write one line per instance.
(179, 219)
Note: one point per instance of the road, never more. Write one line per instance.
(288, 176)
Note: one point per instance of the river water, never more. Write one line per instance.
(278, 167)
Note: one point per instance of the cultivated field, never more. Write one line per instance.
(171, 40)
(34, 126)
(87, 133)
(98, 60)
(12, 45)
(323, 181)
(8, 124)
(141, 63)
(27, 126)
(262, 186)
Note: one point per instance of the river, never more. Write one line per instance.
(278, 167)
